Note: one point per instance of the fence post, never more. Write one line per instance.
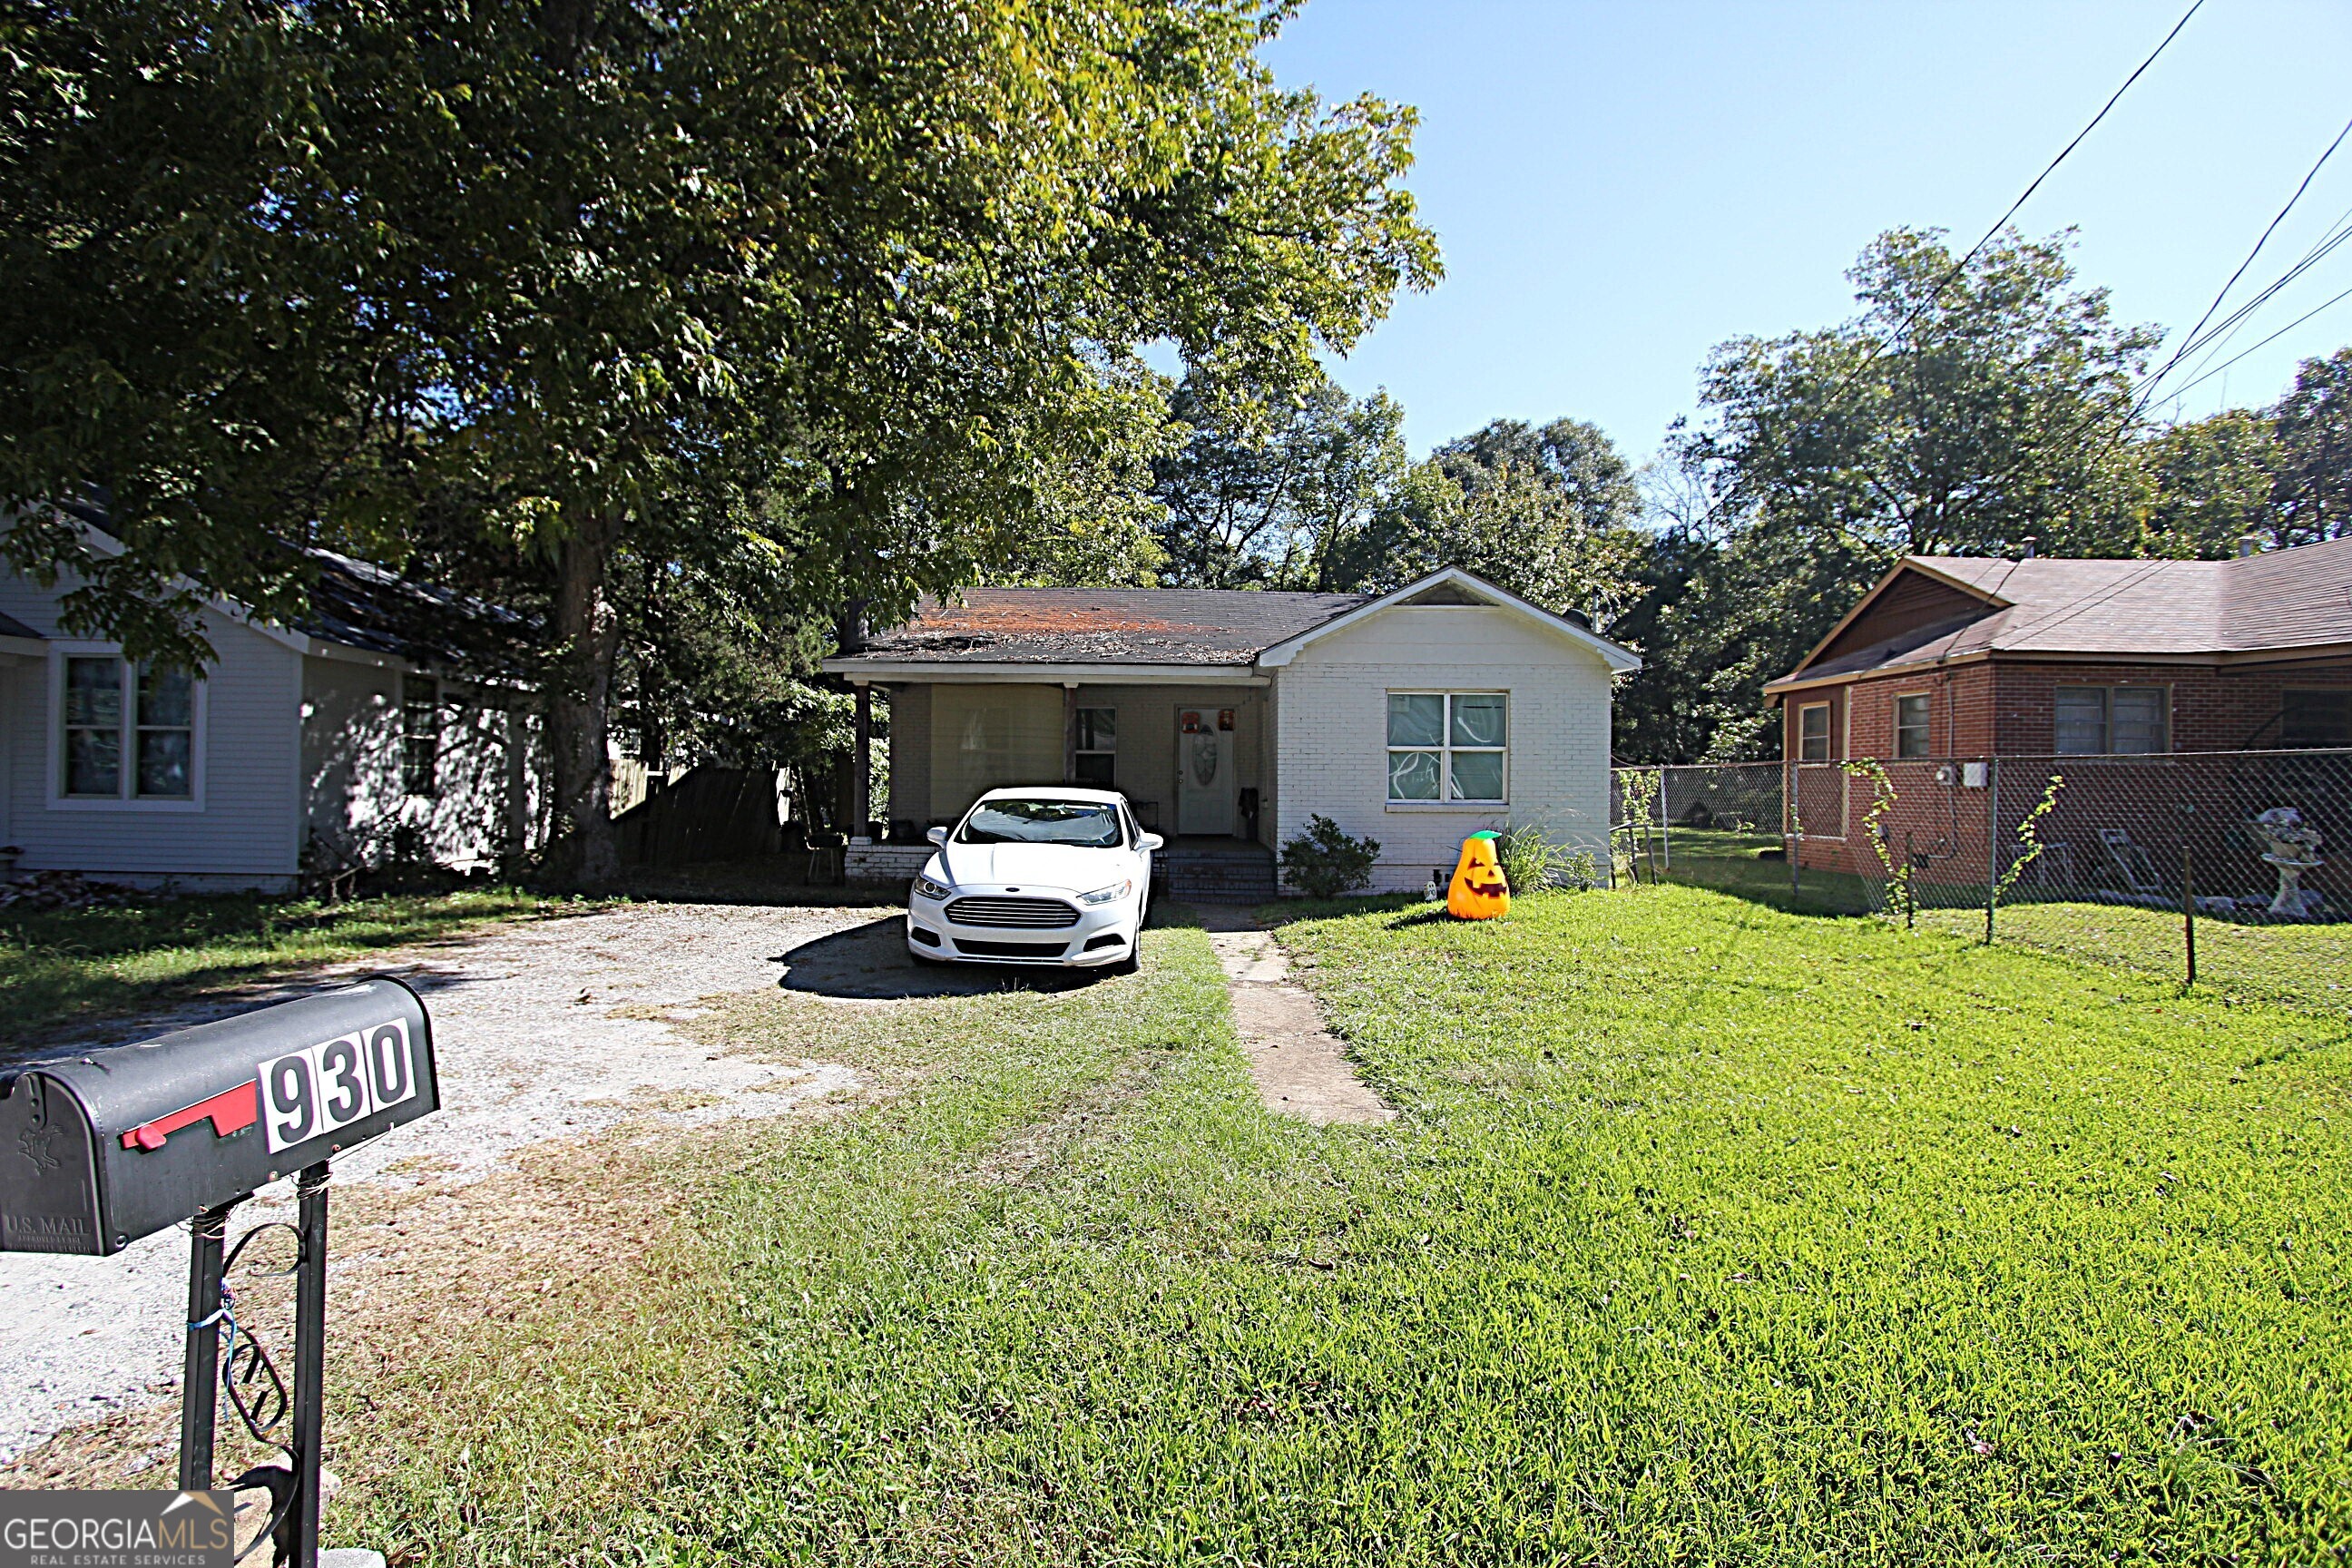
(1796, 825)
(1992, 841)
(2188, 906)
(1665, 820)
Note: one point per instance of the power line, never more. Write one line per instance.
(2220, 335)
(2273, 338)
(2000, 223)
(2190, 341)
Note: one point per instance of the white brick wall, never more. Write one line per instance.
(1332, 721)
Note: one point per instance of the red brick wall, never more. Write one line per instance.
(2008, 707)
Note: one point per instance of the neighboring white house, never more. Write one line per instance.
(343, 740)
(1230, 717)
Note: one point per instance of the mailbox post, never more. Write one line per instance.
(118, 1144)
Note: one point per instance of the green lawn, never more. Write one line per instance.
(66, 967)
(1712, 1231)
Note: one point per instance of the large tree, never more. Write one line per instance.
(1548, 511)
(630, 274)
(1966, 409)
(2312, 426)
(1260, 493)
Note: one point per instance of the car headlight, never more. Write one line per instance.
(931, 889)
(1116, 891)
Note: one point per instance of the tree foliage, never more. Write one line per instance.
(1274, 497)
(860, 283)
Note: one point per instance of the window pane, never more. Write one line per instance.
(2082, 716)
(167, 697)
(1478, 721)
(163, 762)
(1478, 776)
(1911, 726)
(94, 762)
(1095, 770)
(1098, 729)
(1416, 719)
(2139, 719)
(1814, 734)
(2315, 718)
(94, 691)
(1412, 775)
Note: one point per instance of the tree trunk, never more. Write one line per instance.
(584, 854)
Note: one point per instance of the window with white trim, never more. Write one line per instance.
(129, 730)
(1095, 761)
(1911, 726)
(2111, 720)
(420, 734)
(1813, 732)
(1448, 745)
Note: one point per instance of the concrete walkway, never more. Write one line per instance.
(1302, 1069)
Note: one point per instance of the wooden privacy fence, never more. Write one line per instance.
(709, 814)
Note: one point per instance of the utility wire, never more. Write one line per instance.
(2191, 341)
(2219, 336)
(2273, 337)
(1935, 292)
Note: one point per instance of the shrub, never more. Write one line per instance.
(1324, 862)
(1532, 863)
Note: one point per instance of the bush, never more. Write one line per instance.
(1324, 862)
(1533, 863)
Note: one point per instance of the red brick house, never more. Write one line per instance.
(1966, 658)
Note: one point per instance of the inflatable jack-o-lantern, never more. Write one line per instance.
(1478, 892)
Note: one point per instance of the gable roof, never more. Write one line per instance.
(2280, 601)
(1453, 586)
(358, 604)
(1098, 626)
(368, 608)
(1194, 628)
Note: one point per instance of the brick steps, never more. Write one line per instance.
(1219, 875)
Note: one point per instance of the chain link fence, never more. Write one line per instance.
(2230, 870)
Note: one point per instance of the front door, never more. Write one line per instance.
(1204, 769)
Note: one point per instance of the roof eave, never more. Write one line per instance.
(870, 667)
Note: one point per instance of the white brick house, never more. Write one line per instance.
(1230, 717)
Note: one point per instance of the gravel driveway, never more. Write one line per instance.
(553, 1028)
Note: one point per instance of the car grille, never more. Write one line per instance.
(972, 949)
(1023, 914)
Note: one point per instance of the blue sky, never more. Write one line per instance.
(1620, 184)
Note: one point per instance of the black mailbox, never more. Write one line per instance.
(103, 1149)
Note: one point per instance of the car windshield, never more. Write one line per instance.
(1088, 825)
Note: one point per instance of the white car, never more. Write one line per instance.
(1044, 875)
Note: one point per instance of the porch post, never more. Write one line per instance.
(1069, 732)
(861, 768)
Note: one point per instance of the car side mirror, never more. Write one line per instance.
(936, 835)
(1146, 843)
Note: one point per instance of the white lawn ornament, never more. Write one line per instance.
(2292, 845)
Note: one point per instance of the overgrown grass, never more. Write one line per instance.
(70, 966)
(1712, 1233)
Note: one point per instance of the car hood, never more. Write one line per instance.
(1027, 865)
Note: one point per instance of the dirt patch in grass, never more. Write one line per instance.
(564, 1314)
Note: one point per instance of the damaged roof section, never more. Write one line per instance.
(1102, 625)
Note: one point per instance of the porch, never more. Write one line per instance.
(1194, 755)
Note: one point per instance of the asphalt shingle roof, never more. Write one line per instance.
(2277, 600)
(1104, 626)
(360, 604)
